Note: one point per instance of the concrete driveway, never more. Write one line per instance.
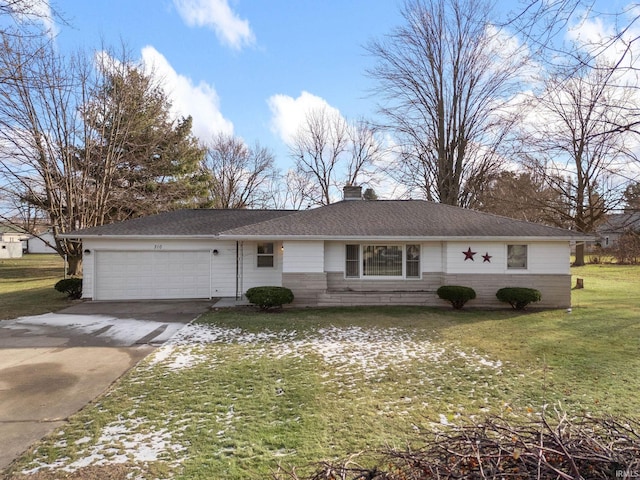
(52, 365)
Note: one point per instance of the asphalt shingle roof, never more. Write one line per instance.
(620, 223)
(397, 218)
(199, 222)
(382, 218)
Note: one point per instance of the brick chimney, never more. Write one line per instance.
(351, 192)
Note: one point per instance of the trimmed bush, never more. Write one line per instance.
(71, 286)
(456, 294)
(518, 297)
(269, 297)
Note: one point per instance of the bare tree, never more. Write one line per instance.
(365, 151)
(238, 176)
(294, 190)
(574, 149)
(543, 25)
(445, 78)
(329, 152)
(318, 145)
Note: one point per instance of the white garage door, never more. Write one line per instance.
(152, 275)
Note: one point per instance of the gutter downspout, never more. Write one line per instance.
(237, 271)
(239, 268)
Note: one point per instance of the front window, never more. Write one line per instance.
(382, 261)
(353, 261)
(517, 256)
(265, 255)
(413, 261)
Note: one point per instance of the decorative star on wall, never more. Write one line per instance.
(468, 255)
(486, 258)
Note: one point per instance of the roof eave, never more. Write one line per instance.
(136, 237)
(338, 238)
(398, 238)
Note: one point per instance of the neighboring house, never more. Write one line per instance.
(354, 252)
(41, 243)
(615, 226)
(11, 239)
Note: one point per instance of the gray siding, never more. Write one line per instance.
(307, 288)
(332, 289)
(555, 289)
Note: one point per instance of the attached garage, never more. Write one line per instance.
(149, 275)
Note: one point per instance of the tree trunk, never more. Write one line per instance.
(579, 255)
(74, 265)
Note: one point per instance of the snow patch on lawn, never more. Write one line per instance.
(370, 350)
(352, 353)
(119, 443)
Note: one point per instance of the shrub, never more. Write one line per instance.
(518, 297)
(456, 294)
(269, 297)
(71, 286)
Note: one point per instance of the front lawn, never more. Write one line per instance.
(26, 285)
(240, 392)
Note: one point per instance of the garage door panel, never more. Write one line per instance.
(129, 275)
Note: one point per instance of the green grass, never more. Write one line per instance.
(272, 392)
(26, 285)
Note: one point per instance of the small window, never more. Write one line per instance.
(353, 261)
(265, 255)
(516, 256)
(413, 261)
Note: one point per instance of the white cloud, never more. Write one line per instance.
(289, 113)
(217, 15)
(607, 36)
(38, 11)
(200, 101)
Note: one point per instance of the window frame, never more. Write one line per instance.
(263, 255)
(354, 261)
(413, 261)
(361, 266)
(526, 257)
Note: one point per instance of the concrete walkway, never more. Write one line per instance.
(52, 365)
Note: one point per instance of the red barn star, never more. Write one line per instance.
(468, 255)
(486, 258)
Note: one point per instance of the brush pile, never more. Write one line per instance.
(585, 448)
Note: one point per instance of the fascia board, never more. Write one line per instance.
(408, 238)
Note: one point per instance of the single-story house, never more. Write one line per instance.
(616, 225)
(353, 252)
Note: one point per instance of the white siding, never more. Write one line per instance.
(11, 249)
(551, 257)
(303, 257)
(254, 276)
(431, 257)
(334, 253)
(223, 270)
(543, 257)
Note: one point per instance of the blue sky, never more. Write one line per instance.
(252, 67)
(244, 61)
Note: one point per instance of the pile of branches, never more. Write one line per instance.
(581, 449)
